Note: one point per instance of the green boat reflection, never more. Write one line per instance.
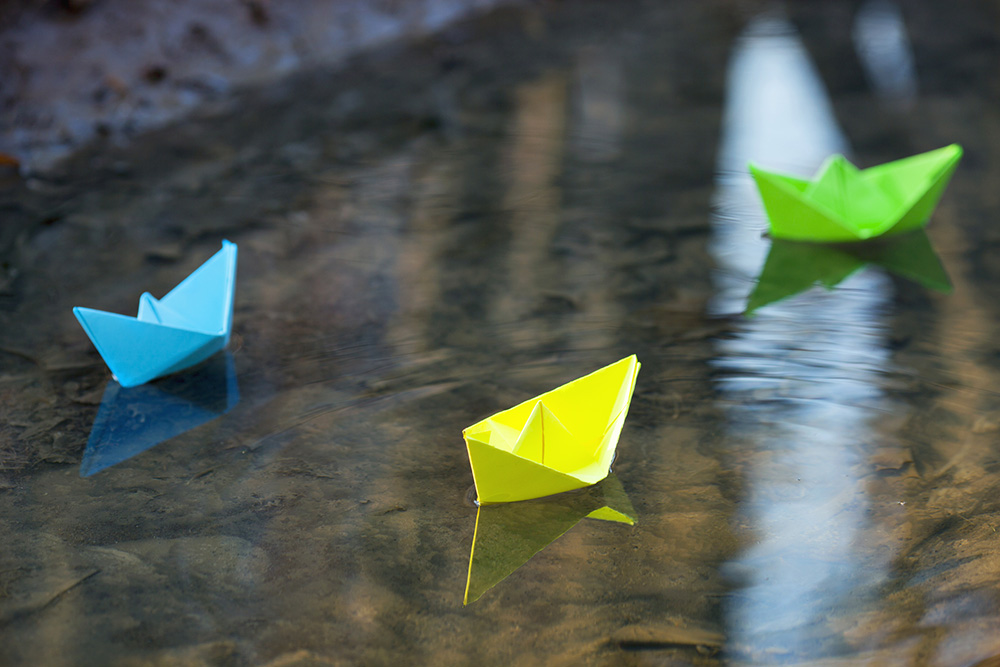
(509, 534)
(792, 267)
(134, 419)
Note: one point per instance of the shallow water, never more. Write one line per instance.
(445, 230)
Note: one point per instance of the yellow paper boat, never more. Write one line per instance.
(562, 440)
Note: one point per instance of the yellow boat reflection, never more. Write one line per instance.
(508, 535)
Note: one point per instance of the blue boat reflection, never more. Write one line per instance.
(509, 534)
(793, 267)
(134, 419)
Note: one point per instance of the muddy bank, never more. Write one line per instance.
(73, 72)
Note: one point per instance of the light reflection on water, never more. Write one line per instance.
(800, 382)
(884, 48)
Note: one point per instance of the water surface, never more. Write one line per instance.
(444, 230)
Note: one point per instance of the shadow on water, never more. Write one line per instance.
(131, 420)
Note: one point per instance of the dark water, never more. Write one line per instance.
(443, 231)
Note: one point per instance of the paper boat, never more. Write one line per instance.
(843, 203)
(187, 326)
(508, 535)
(793, 267)
(562, 440)
(134, 419)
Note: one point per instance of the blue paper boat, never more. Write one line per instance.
(132, 420)
(187, 326)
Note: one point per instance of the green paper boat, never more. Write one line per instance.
(792, 267)
(844, 203)
(509, 534)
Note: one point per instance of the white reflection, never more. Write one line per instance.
(884, 49)
(598, 100)
(800, 381)
(777, 113)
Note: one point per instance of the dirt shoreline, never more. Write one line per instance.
(75, 72)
